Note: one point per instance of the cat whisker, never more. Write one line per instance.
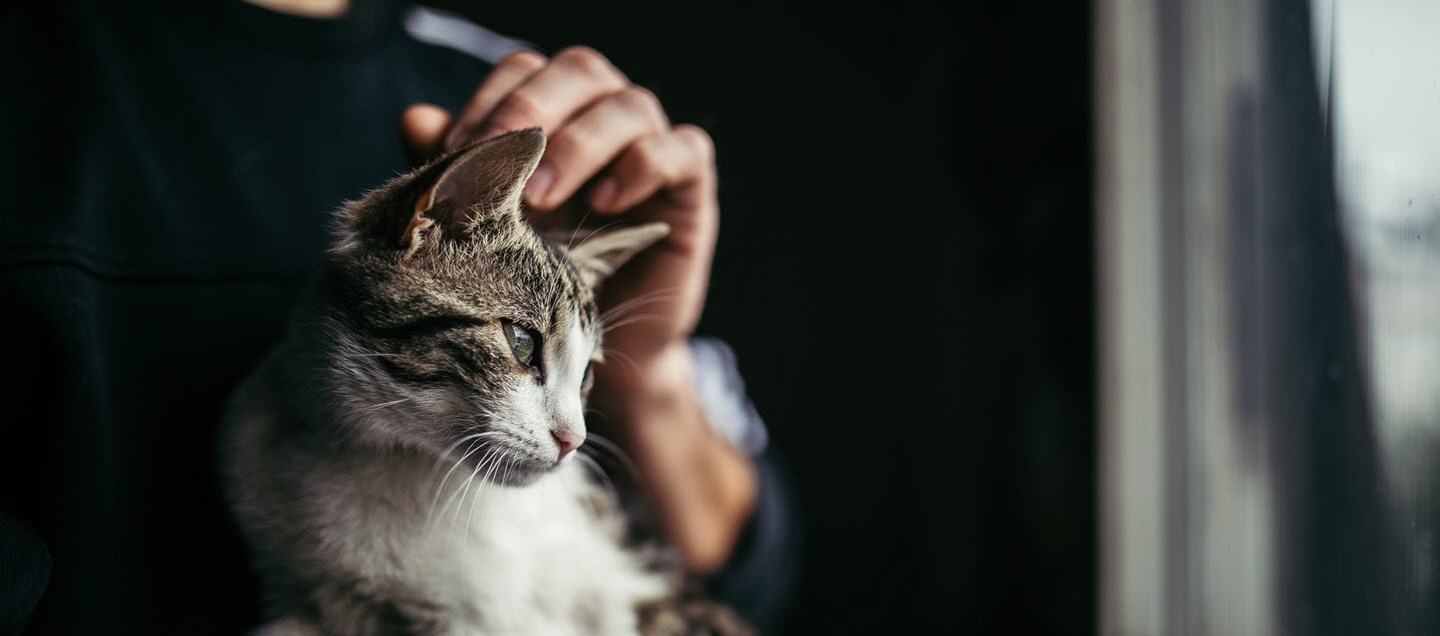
(436, 515)
(631, 304)
(575, 232)
(481, 489)
(465, 488)
(594, 232)
(620, 356)
(615, 451)
(604, 479)
(656, 318)
(376, 407)
(470, 450)
(440, 459)
(653, 293)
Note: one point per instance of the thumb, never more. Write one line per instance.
(422, 127)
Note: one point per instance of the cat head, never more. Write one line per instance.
(450, 326)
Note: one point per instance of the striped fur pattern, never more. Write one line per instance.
(397, 468)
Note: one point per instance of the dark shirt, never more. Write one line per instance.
(168, 173)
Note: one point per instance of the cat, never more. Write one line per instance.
(404, 462)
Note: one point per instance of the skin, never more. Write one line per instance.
(306, 8)
(613, 152)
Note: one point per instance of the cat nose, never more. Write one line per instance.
(567, 440)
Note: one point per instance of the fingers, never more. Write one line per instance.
(509, 74)
(593, 117)
(547, 98)
(586, 144)
(421, 129)
(682, 156)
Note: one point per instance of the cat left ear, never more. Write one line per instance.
(481, 185)
(600, 255)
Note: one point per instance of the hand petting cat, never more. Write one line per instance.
(613, 151)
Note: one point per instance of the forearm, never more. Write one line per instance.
(702, 488)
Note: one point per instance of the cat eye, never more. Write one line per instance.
(523, 341)
(588, 382)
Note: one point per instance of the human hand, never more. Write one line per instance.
(611, 151)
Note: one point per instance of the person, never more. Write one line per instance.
(169, 168)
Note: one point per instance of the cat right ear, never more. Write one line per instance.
(480, 185)
(458, 195)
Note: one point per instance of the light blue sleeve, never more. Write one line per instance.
(721, 393)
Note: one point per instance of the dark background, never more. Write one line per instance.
(905, 270)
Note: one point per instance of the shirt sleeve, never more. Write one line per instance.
(757, 580)
(722, 397)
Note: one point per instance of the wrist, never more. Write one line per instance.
(704, 488)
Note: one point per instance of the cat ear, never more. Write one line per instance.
(480, 185)
(600, 255)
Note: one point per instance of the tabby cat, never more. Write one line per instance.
(404, 462)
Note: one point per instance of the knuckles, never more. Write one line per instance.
(697, 140)
(648, 160)
(519, 110)
(576, 140)
(641, 100)
(588, 61)
(523, 59)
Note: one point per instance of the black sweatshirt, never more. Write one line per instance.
(169, 170)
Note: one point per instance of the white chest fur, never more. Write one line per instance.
(530, 560)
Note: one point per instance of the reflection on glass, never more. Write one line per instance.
(1383, 64)
(1267, 467)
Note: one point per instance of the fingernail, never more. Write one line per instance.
(539, 184)
(604, 193)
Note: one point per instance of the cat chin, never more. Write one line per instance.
(521, 478)
(521, 469)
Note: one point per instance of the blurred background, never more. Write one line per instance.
(1267, 284)
(1108, 316)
